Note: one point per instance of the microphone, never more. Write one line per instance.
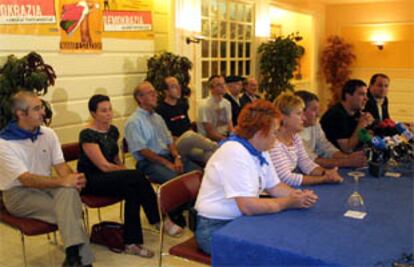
(404, 131)
(364, 136)
(379, 144)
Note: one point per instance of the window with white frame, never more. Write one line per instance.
(227, 26)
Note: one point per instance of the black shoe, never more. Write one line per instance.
(72, 262)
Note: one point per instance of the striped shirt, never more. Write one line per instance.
(287, 160)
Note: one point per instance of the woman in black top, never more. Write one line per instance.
(107, 176)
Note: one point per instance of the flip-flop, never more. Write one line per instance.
(138, 250)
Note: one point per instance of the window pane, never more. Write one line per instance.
(214, 29)
(204, 69)
(248, 32)
(223, 30)
(204, 92)
(214, 8)
(233, 29)
(240, 12)
(233, 67)
(240, 32)
(223, 49)
(232, 49)
(232, 11)
(247, 49)
(223, 68)
(248, 13)
(204, 8)
(214, 67)
(247, 67)
(205, 48)
(240, 54)
(222, 8)
(205, 27)
(214, 49)
(240, 69)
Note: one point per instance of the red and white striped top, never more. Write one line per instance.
(289, 159)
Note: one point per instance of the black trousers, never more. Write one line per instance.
(135, 189)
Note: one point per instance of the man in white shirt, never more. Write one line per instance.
(28, 151)
(214, 114)
(319, 149)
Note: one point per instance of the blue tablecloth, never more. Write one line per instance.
(322, 235)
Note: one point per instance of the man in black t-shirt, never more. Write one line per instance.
(342, 122)
(174, 111)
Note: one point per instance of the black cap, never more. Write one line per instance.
(233, 78)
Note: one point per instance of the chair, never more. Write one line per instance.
(71, 152)
(124, 151)
(26, 227)
(171, 195)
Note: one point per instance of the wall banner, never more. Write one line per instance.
(128, 19)
(80, 26)
(27, 12)
(123, 21)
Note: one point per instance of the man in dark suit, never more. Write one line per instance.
(250, 86)
(234, 86)
(377, 103)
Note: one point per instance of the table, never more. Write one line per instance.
(322, 235)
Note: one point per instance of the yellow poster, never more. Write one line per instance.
(128, 19)
(80, 24)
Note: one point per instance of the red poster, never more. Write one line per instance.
(27, 12)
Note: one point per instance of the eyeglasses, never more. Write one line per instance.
(152, 93)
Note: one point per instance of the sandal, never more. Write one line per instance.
(172, 229)
(138, 250)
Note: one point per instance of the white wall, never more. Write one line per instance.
(114, 72)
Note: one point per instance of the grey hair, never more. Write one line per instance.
(18, 101)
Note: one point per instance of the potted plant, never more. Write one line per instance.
(26, 73)
(337, 57)
(168, 64)
(279, 58)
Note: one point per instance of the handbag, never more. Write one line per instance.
(109, 234)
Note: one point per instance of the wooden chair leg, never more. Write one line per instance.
(23, 249)
(161, 242)
(54, 238)
(86, 212)
(121, 211)
(99, 215)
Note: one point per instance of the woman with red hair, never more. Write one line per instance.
(239, 171)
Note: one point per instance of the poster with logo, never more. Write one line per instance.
(80, 24)
(128, 19)
(28, 17)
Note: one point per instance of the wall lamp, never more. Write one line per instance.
(379, 44)
(194, 39)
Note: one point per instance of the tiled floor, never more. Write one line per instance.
(42, 253)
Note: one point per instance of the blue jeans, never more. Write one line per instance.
(204, 231)
(159, 173)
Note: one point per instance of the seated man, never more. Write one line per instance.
(234, 85)
(27, 153)
(342, 122)
(319, 149)
(377, 103)
(250, 86)
(174, 111)
(150, 141)
(214, 113)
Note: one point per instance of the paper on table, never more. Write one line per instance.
(393, 174)
(355, 214)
